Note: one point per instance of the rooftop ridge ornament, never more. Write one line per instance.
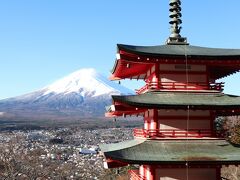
(175, 21)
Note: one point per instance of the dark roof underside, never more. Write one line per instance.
(180, 50)
(174, 151)
(181, 100)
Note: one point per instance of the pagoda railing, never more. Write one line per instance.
(175, 133)
(134, 175)
(181, 86)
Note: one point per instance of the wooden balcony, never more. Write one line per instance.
(134, 175)
(172, 133)
(181, 86)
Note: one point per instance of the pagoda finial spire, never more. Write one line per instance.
(175, 21)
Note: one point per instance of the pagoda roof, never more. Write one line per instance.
(226, 104)
(134, 61)
(139, 151)
(180, 51)
(159, 99)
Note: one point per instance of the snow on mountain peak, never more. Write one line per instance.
(87, 82)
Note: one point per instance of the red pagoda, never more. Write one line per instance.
(179, 103)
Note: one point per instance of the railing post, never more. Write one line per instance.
(147, 135)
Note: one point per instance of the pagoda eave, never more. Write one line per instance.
(110, 163)
(120, 109)
(136, 68)
(123, 113)
(173, 163)
(132, 70)
(219, 112)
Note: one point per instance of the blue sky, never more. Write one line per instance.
(44, 40)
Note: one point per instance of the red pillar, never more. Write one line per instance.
(212, 116)
(154, 122)
(155, 117)
(150, 172)
(218, 173)
(157, 72)
(146, 120)
(142, 171)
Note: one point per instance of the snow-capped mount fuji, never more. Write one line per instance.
(87, 83)
(84, 93)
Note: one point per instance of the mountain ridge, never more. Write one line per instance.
(83, 93)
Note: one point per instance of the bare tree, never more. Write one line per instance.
(231, 172)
